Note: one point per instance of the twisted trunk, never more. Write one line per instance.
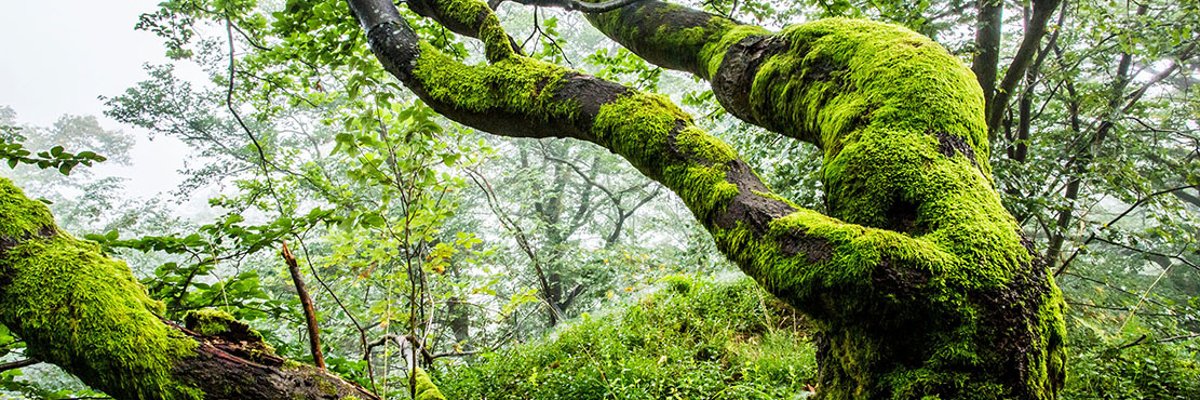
(919, 280)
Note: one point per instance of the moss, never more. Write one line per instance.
(515, 85)
(674, 36)
(83, 311)
(714, 50)
(22, 219)
(209, 321)
(907, 272)
(426, 390)
(214, 322)
(478, 16)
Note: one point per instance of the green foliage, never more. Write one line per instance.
(692, 338)
(1134, 369)
(57, 157)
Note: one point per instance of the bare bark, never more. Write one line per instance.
(310, 311)
(987, 46)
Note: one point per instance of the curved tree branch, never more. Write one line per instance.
(84, 312)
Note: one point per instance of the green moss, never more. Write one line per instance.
(214, 322)
(915, 232)
(22, 219)
(515, 85)
(712, 53)
(640, 127)
(82, 311)
(426, 390)
(209, 321)
(673, 36)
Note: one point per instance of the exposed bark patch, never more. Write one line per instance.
(235, 366)
(897, 279)
(815, 249)
(902, 217)
(750, 206)
(949, 144)
(1012, 322)
(655, 31)
(735, 76)
(591, 93)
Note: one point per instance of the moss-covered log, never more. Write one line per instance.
(919, 280)
(84, 312)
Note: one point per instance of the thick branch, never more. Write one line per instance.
(922, 237)
(19, 364)
(522, 97)
(87, 314)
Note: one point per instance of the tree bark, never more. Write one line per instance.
(919, 281)
(84, 312)
(988, 32)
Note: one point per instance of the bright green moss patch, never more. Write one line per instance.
(840, 75)
(213, 322)
(83, 311)
(426, 390)
(516, 85)
(694, 339)
(22, 217)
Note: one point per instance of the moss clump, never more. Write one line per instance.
(214, 322)
(426, 390)
(21, 219)
(83, 311)
(659, 139)
(516, 85)
(477, 14)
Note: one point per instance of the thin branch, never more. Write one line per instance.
(19, 364)
(310, 312)
(1135, 205)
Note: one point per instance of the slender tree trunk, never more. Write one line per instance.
(987, 46)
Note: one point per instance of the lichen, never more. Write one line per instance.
(82, 311)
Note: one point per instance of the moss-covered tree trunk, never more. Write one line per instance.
(918, 279)
(82, 311)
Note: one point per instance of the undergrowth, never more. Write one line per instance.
(693, 339)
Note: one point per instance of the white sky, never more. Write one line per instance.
(56, 57)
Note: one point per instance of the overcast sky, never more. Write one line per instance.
(58, 56)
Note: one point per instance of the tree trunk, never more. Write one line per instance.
(80, 310)
(919, 281)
